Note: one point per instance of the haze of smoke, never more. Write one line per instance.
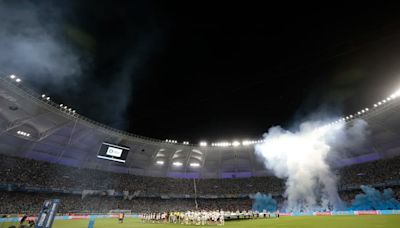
(263, 202)
(35, 46)
(300, 158)
(372, 199)
(31, 44)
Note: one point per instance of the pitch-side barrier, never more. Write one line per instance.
(241, 215)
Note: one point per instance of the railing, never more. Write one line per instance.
(49, 104)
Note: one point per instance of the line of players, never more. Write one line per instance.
(186, 218)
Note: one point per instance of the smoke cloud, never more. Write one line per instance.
(263, 202)
(32, 44)
(300, 157)
(372, 199)
(53, 46)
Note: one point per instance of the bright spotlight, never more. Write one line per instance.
(18, 80)
(12, 76)
(379, 103)
(203, 143)
(236, 143)
(160, 162)
(177, 164)
(48, 98)
(194, 164)
(43, 95)
(23, 133)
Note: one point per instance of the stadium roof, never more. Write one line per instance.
(33, 126)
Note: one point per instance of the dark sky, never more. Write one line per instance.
(223, 71)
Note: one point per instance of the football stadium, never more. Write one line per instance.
(84, 143)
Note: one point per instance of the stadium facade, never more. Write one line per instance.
(33, 126)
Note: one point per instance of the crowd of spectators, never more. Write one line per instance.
(39, 173)
(33, 173)
(370, 173)
(30, 203)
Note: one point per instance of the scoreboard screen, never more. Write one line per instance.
(113, 152)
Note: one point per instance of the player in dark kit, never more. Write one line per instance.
(121, 217)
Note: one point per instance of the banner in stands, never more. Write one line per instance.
(47, 214)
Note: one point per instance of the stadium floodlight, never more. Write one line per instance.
(73, 111)
(235, 143)
(23, 133)
(389, 98)
(160, 162)
(18, 80)
(379, 103)
(384, 101)
(223, 144)
(43, 95)
(194, 164)
(48, 98)
(177, 164)
(203, 143)
(375, 105)
(65, 107)
(351, 116)
(12, 76)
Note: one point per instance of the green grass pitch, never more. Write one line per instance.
(365, 221)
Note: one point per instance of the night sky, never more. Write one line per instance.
(219, 71)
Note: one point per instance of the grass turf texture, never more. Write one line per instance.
(365, 221)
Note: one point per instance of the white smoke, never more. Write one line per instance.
(300, 158)
(32, 43)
